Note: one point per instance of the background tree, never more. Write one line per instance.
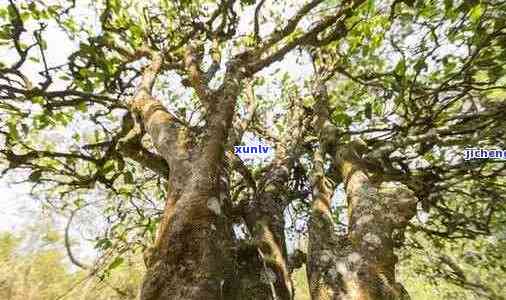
(34, 266)
(138, 125)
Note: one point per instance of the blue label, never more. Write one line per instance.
(478, 153)
(249, 149)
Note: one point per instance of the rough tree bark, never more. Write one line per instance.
(191, 258)
(265, 220)
(375, 211)
(264, 215)
(195, 255)
(359, 264)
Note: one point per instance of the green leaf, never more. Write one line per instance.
(128, 177)
(63, 118)
(71, 25)
(35, 176)
(420, 65)
(3, 13)
(82, 107)
(400, 68)
(79, 202)
(13, 129)
(448, 4)
(103, 244)
(342, 118)
(42, 121)
(368, 111)
(476, 12)
(38, 99)
(84, 72)
(115, 5)
(370, 5)
(108, 167)
(116, 263)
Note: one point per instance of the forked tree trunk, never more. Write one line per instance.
(193, 254)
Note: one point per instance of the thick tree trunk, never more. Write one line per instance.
(374, 212)
(264, 215)
(193, 254)
(254, 283)
(358, 264)
(265, 220)
(192, 257)
(361, 263)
